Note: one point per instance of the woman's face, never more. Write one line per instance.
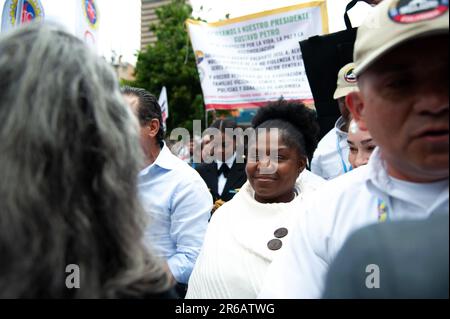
(277, 186)
(361, 147)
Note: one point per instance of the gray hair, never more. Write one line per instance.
(69, 159)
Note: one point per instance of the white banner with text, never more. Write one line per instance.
(248, 61)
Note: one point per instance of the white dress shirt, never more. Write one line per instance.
(178, 203)
(222, 181)
(330, 159)
(333, 213)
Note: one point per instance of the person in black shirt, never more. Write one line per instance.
(226, 174)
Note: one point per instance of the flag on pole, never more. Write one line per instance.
(21, 15)
(164, 104)
(17, 12)
(87, 22)
(6, 20)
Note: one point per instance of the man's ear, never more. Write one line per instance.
(153, 127)
(355, 104)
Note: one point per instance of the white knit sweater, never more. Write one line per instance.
(235, 255)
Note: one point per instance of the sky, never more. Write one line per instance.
(120, 24)
(120, 29)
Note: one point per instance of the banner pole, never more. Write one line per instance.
(19, 13)
(206, 118)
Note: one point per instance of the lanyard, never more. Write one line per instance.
(383, 211)
(339, 149)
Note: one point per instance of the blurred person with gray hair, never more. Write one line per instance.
(69, 158)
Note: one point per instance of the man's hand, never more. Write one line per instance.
(217, 205)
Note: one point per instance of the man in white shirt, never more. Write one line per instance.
(172, 193)
(401, 53)
(331, 156)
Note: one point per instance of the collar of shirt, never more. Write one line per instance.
(422, 195)
(380, 183)
(229, 162)
(164, 161)
(378, 176)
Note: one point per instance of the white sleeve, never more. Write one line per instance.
(191, 210)
(299, 271)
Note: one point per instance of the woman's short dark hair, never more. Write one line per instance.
(69, 157)
(297, 124)
(148, 108)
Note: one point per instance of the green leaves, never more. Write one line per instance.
(170, 62)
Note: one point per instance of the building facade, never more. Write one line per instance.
(148, 17)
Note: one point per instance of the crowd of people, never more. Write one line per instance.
(88, 179)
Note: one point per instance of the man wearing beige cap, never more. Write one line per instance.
(401, 53)
(331, 156)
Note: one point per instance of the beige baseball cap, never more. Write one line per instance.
(346, 82)
(394, 22)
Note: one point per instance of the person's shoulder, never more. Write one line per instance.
(326, 145)
(350, 182)
(406, 231)
(346, 274)
(180, 166)
(221, 212)
(328, 139)
(339, 198)
(184, 173)
(401, 249)
(223, 215)
(310, 180)
(234, 206)
(400, 234)
(203, 167)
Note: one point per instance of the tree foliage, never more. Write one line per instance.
(170, 62)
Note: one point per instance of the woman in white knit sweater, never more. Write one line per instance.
(248, 232)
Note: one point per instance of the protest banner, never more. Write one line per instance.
(248, 61)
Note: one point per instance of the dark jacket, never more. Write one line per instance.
(236, 178)
(412, 257)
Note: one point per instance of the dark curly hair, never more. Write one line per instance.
(297, 124)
